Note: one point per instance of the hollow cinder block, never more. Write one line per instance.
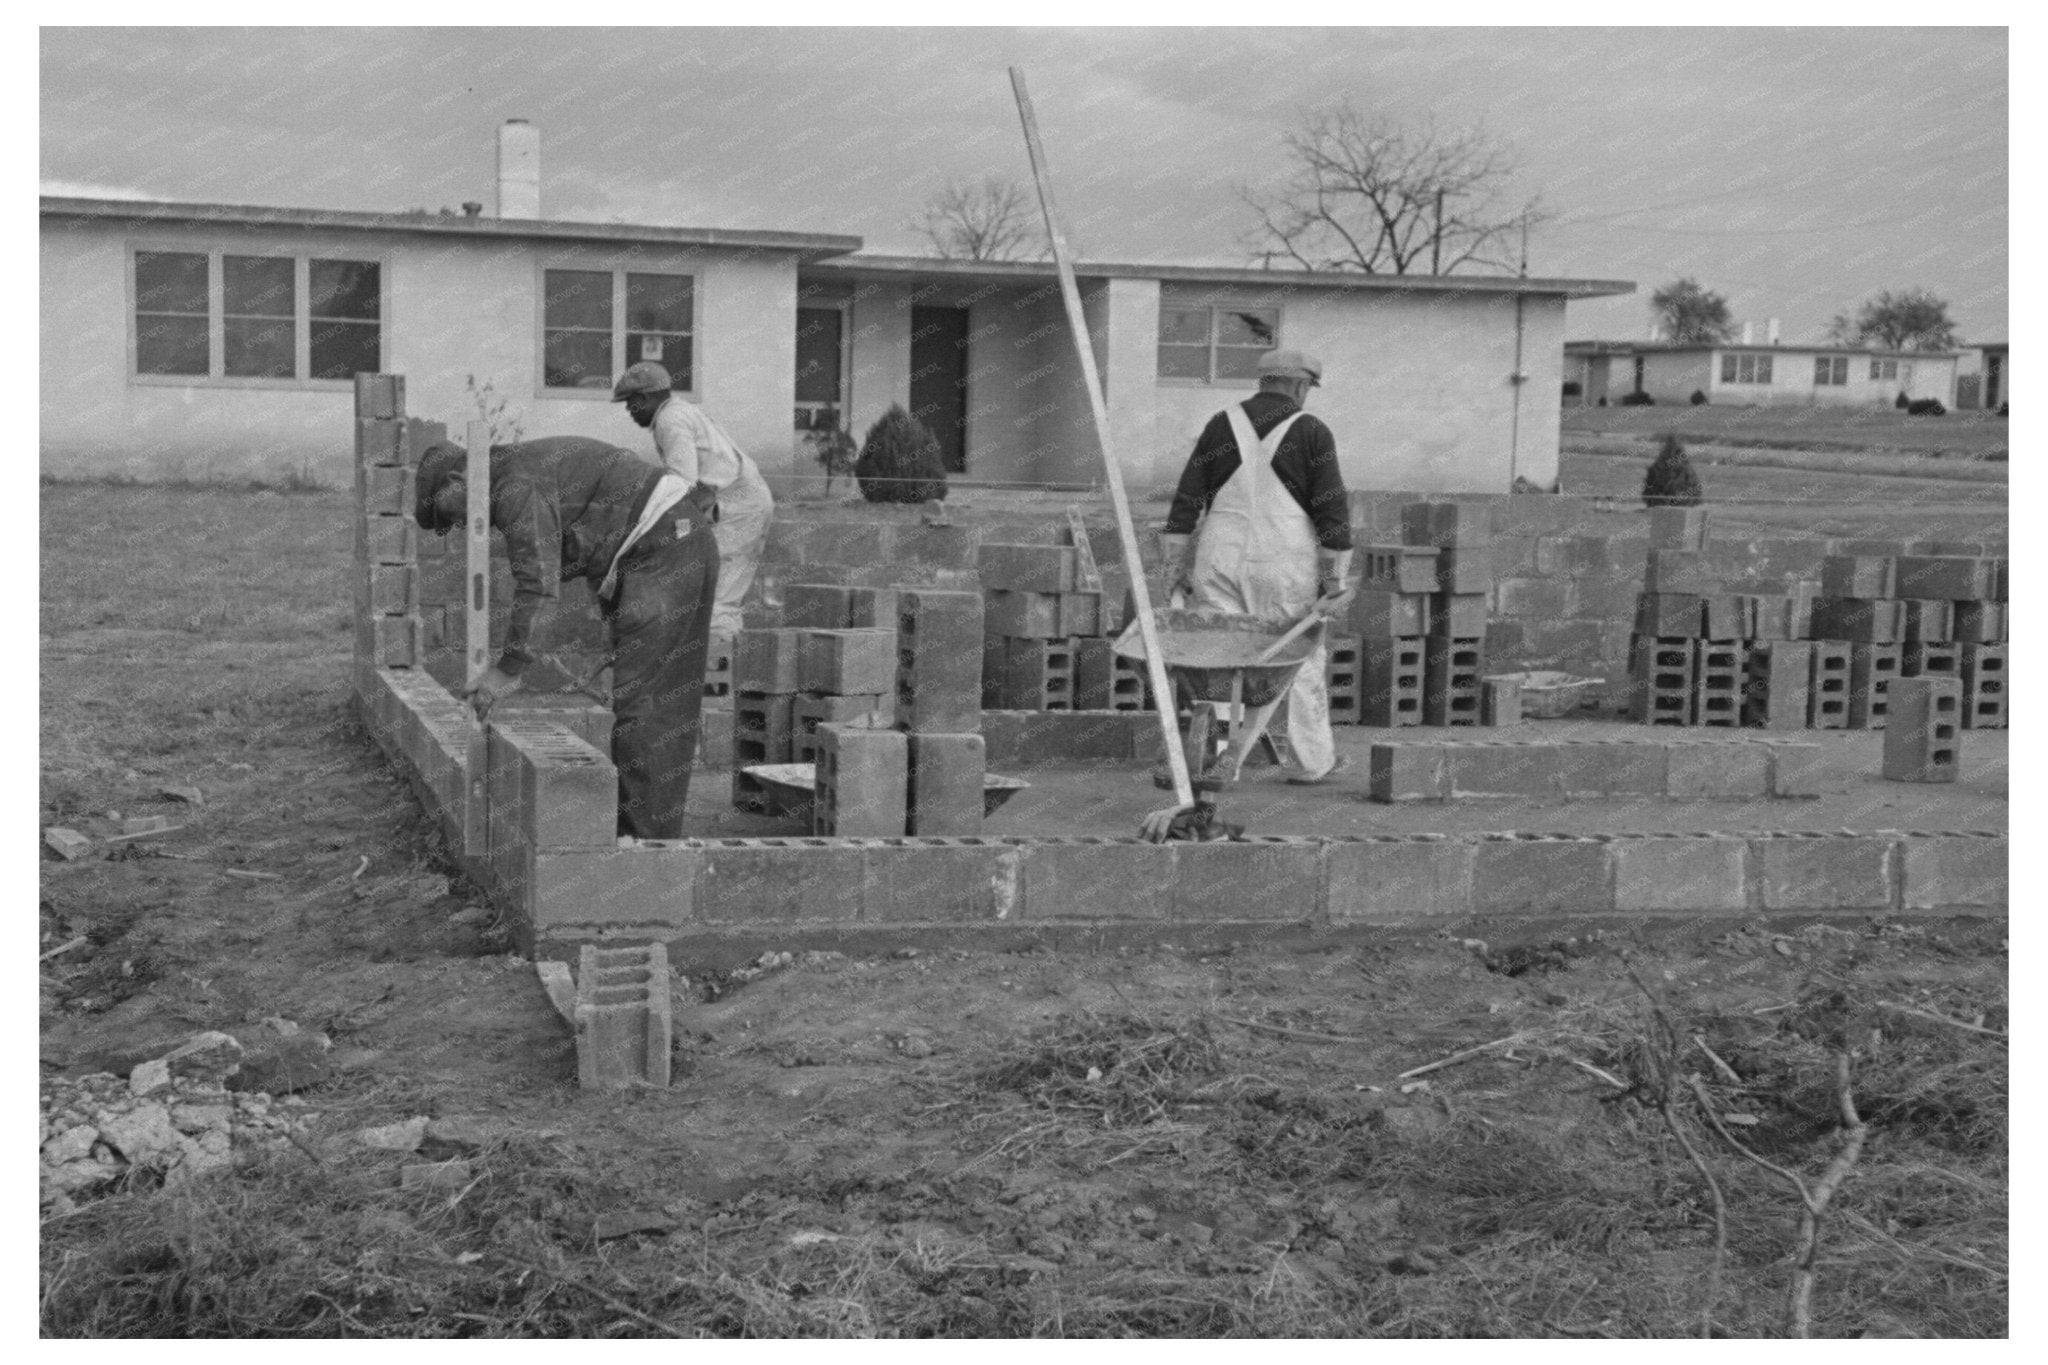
(1680, 571)
(1871, 671)
(1391, 681)
(1022, 615)
(1457, 615)
(1027, 568)
(1691, 874)
(817, 606)
(1865, 576)
(939, 661)
(1986, 688)
(1095, 674)
(1387, 614)
(1951, 578)
(1516, 876)
(847, 662)
(863, 780)
(1778, 677)
(945, 783)
(1670, 615)
(1451, 668)
(806, 714)
(1407, 772)
(766, 662)
(1923, 736)
(1923, 619)
(1500, 701)
(1398, 568)
(623, 1026)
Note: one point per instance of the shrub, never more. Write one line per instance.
(1603, 401)
(1638, 399)
(2001, 408)
(1902, 402)
(1571, 388)
(1698, 399)
(1926, 407)
(900, 461)
(1671, 481)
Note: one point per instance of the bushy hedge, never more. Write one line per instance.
(900, 461)
(1671, 481)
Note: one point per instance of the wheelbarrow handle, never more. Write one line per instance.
(1314, 614)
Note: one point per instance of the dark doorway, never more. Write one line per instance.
(1994, 376)
(938, 379)
(1639, 374)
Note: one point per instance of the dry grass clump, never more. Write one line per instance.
(1126, 1068)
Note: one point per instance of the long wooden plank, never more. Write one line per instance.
(1183, 789)
(476, 611)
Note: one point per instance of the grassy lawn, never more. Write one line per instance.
(1797, 427)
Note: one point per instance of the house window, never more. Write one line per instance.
(1215, 344)
(1884, 369)
(1745, 368)
(594, 323)
(219, 315)
(1831, 369)
(819, 361)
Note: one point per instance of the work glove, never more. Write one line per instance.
(1178, 563)
(1333, 572)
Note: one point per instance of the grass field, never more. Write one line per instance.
(1798, 427)
(1126, 1144)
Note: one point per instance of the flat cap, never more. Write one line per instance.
(1291, 365)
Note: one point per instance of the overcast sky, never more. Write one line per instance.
(1798, 171)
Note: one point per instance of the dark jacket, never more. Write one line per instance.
(565, 504)
(1306, 464)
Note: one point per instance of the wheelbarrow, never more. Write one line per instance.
(1221, 657)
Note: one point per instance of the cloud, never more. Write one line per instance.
(85, 189)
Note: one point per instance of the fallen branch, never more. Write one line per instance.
(1727, 1071)
(141, 834)
(1944, 1019)
(1814, 1200)
(253, 876)
(1284, 1032)
(610, 1300)
(1591, 1070)
(64, 948)
(1510, 1041)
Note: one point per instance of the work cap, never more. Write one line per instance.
(645, 377)
(1291, 365)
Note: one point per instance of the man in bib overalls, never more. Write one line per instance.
(1275, 529)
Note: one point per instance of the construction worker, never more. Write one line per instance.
(1274, 530)
(724, 481)
(571, 507)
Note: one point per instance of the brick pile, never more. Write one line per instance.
(1045, 644)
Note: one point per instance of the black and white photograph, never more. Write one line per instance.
(1275, 678)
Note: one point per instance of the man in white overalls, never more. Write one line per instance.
(724, 482)
(1274, 529)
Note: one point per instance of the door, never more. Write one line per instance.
(1638, 375)
(1994, 376)
(820, 368)
(938, 379)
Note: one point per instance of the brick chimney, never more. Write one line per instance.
(518, 169)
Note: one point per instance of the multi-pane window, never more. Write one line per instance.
(594, 323)
(223, 315)
(1884, 369)
(1831, 369)
(818, 364)
(1745, 367)
(1215, 344)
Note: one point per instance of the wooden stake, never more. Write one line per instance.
(1141, 595)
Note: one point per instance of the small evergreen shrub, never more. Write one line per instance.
(1571, 388)
(900, 461)
(1698, 399)
(2001, 408)
(1926, 407)
(1671, 481)
(1902, 402)
(1638, 399)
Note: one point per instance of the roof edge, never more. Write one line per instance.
(1237, 275)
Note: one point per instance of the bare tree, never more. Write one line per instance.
(991, 219)
(1372, 196)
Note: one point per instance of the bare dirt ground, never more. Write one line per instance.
(946, 1143)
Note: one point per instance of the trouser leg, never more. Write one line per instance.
(1308, 714)
(742, 532)
(659, 624)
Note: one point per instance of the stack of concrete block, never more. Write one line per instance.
(1043, 643)
(1910, 616)
(388, 630)
(1454, 657)
(788, 681)
(938, 704)
(1701, 655)
(1376, 659)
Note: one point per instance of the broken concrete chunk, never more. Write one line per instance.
(283, 1028)
(67, 844)
(73, 1144)
(404, 1136)
(149, 1077)
(144, 1135)
(467, 1131)
(210, 1057)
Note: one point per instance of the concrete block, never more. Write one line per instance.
(396, 641)
(1466, 569)
(1796, 769)
(1092, 879)
(650, 890)
(761, 728)
(1680, 571)
(623, 1028)
(851, 543)
(380, 395)
(1259, 878)
(1533, 514)
(1397, 568)
(1542, 876)
(1670, 615)
(1501, 769)
(1611, 596)
(806, 714)
(1023, 615)
(1459, 615)
(2000, 574)
(759, 882)
(874, 608)
(1080, 613)
(1391, 681)
(1943, 871)
(1860, 576)
(939, 660)
(1030, 738)
(1923, 619)
(1686, 873)
(945, 881)
(1094, 674)
(1540, 597)
(1447, 524)
(1954, 579)
(569, 791)
(1382, 613)
(817, 606)
(1500, 701)
(1719, 674)
(863, 783)
(1451, 669)
(1922, 742)
(1728, 617)
(1408, 772)
(935, 547)
(1398, 880)
(1823, 872)
(945, 783)
(1770, 616)
(1828, 686)
(387, 487)
(1986, 687)
(1858, 620)
(1871, 670)
(388, 539)
(847, 662)
(1612, 768)
(766, 662)
(1040, 675)
(1737, 770)
(1979, 623)
(1562, 643)
(1929, 659)
(391, 589)
(1027, 568)
(1678, 528)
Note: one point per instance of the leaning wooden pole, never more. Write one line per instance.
(1141, 596)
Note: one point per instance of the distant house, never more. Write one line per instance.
(1760, 376)
(1984, 376)
(202, 340)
